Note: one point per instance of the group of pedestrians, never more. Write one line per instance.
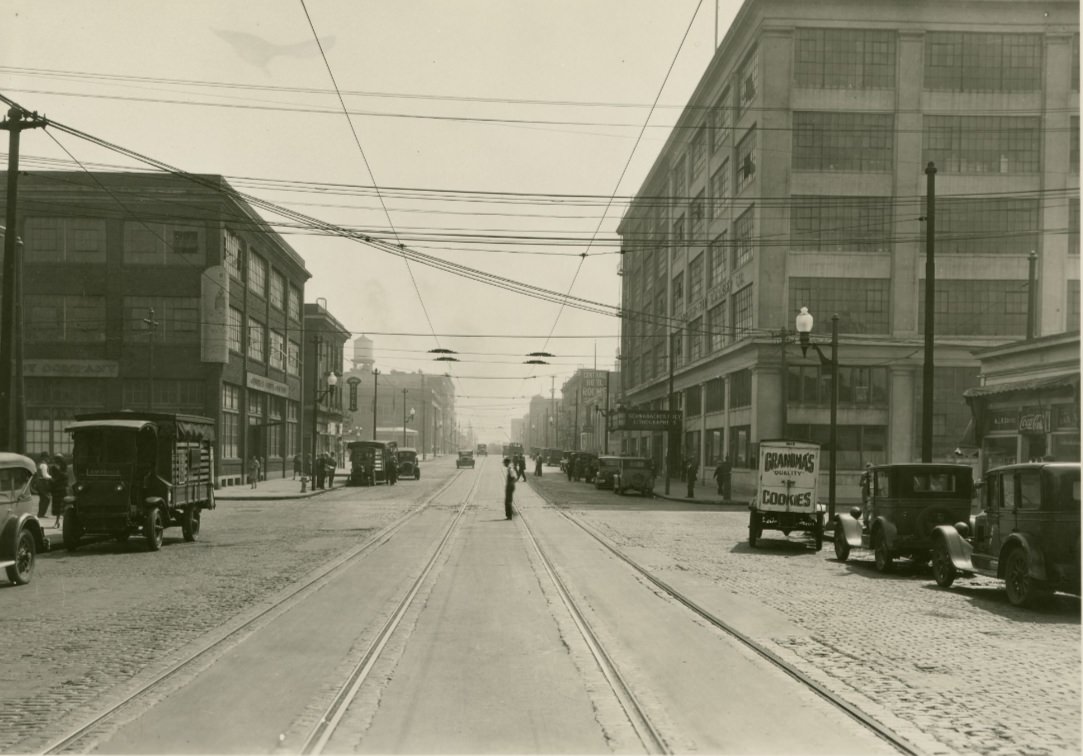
(51, 483)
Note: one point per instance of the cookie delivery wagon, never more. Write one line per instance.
(786, 499)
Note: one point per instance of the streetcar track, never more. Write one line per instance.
(882, 731)
(279, 604)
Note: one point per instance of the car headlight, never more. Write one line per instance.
(119, 487)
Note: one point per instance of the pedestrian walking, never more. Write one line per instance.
(509, 487)
(691, 469)
(866, 493)
(253, 471)
(58, 486)
(320, 470)
(520, 468)
(723, 474)
(43, 484)
(332, 468)
(538, 466)
(263, 468)
(297, 466)
(392, 469)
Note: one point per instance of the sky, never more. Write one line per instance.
(501, 136)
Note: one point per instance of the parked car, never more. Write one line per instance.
(907, 503)
(409, 466)
(466, 459)
(584, 465)
(634, 474)
(607, 468)
(139, 472)
(21, 535)
(1027, 533)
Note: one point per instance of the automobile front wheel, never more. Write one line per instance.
(885, 562)
(842, 548)
(1023, 590)
(25, 555)
(190, 523)
(153, 529)
(944, 572)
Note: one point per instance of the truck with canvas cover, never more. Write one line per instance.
(139, 472)
(786, 491)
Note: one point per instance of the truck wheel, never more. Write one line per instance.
(885, 562)
(190, 523)
(153, 529)
(755, 529)
(842, 548)
(25, 554)
(944, 572)
(1022, 589)
(71, 530)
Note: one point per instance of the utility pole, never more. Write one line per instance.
(404, 418)
(12, 431)
(605, 448)
(575, 438)
(152, 326)
(424, 404)
(375, 387)
(1032, 294)
(930, 314)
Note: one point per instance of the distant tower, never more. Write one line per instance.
(362, 354)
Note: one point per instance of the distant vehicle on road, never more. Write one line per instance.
(513, 450)
(21, 535)
(483, 450)
(1027, 533)
(369, 461)
(139, 472)
(786, 496)
(607, 468)
(633, 474)
(907, 503)
(466, 459)
(409, 467)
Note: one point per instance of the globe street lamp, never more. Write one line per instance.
(803, 323)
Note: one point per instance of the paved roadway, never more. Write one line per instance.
(957, 671)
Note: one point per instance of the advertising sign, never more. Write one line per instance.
(657, 420)
(789, 473)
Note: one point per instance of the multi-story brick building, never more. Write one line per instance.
(145, 291)
(795, 177)
(325, 338)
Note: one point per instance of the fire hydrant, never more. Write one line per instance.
(304, 484)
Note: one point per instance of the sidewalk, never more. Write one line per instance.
(277, 488)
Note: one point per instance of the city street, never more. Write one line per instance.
(109, 617)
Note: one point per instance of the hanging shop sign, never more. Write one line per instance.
(626, 419)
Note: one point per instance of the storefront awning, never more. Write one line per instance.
(1051, 384)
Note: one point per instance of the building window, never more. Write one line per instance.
(178, 395)
(841, 224)
(257, 275)
(1073, 145)
(720, 188)
(982, 62)
(256, 335)
(693, 401)
(858, 445)
(996, 225)
(1073, 306)
(828, 141)
(278, 351)
(233, 330)
(742, 312)
(293, 358)
(71, 240)
(717, 252)
(746, 159)
(741, 389)
(858, 386)
(695, 211)
(695, 280)
(714, 396)
(678, 293)
(231, 421)
(845, 59)
(977, 307)
(723, 120)
(176, 319)
(162, 244)
(234, 256)
(1073, 226)
(1075, 62)
(748, 80)
(278, 290)
(679, 189)
(716, 327)
(699, 153)
(742, 238)
(695, 339)
(983, 144)
(293, 305)
(49, 317)
(862, 304)
(293, 445)
(274, 427)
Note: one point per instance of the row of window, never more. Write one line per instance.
(264, 344)
(260, 279)
(272, 424)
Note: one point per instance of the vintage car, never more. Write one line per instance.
(607, 468)
(583, 466)
(483, 450)
(409, 466)
(466, 458)
(1027, 533)
(21, 535)
(906, 504)
(139, 472)
(634, 474)
(369, 462)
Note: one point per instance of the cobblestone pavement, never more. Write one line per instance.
(962, 665)
(92, 620)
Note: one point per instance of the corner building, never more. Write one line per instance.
(795, 177)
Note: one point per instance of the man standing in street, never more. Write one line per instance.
(43, 485)
(722, 475)
(690, 471)
(509, 486)
(320, 470)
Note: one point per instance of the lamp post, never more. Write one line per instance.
(803, 323)
(318, 397)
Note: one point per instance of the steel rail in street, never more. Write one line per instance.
(882, 731)
(315, 580)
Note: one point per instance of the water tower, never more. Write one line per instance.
(362, 355)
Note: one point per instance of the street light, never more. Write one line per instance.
(803, 323)
(319, 396)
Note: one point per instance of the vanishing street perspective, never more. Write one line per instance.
(564, 377)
